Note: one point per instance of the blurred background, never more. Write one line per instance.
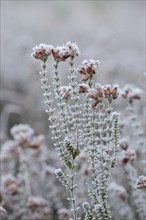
(111, 31)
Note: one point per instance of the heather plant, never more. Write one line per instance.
(85, 132)
(129, 153)
(82, 120)
(24, 168)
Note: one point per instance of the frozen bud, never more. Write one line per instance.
(119, 190)
(86, 77)
(99, 90)
(130, 92)
(107, 90)
(22, 133)
(124, 143)
(141, 182)
(60, 53)
(8, 180)
(42, 52)
(49, 170)
(84, 171)
(127, 156)
(3, 212)
(82, 70)
(73, 49)
(65, 92)
(115, 91)
(94, 94)
(13, 188)
(111, 92)
(83, 88)
(88, 69)
(37, 141)
(10, 183)
(8, 151)
(63, 214)
(35, 202)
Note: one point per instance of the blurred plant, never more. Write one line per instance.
(132, 151)
(24, 167)
(83, 121)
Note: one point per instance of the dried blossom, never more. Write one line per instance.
(88, 69)
(42, 52)
(73, 49)
(94, 94)
(84, 169)
(83, 88)
(61, 53)
(34, 202)
(111, 92)
(22, 133)
(103, 92)
(124, 144)
(119, 190)
(126, 156)
(8, 179)
(130, 92)
(141, 182)
(63, 213)
(65, 92)
(49, 170)
(11, 184)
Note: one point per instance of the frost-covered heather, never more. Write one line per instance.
(87, 123)
(94, 166)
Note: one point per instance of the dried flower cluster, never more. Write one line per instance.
(42, 52)
(61, 53)
(88, 69)
(130, 92)
(127, 155)
(141, 182)
(103, 92)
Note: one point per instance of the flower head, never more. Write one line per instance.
(100, 92)
(141, 182)
(35, 202)
(96, 96)
(42, 52)
(128, 155)
(65, 92)
(63, 213)
(111, 92)
(60, 53)
(22, 133)
(88, 69)
(73, 49)
(130, 92)
(83, 88)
